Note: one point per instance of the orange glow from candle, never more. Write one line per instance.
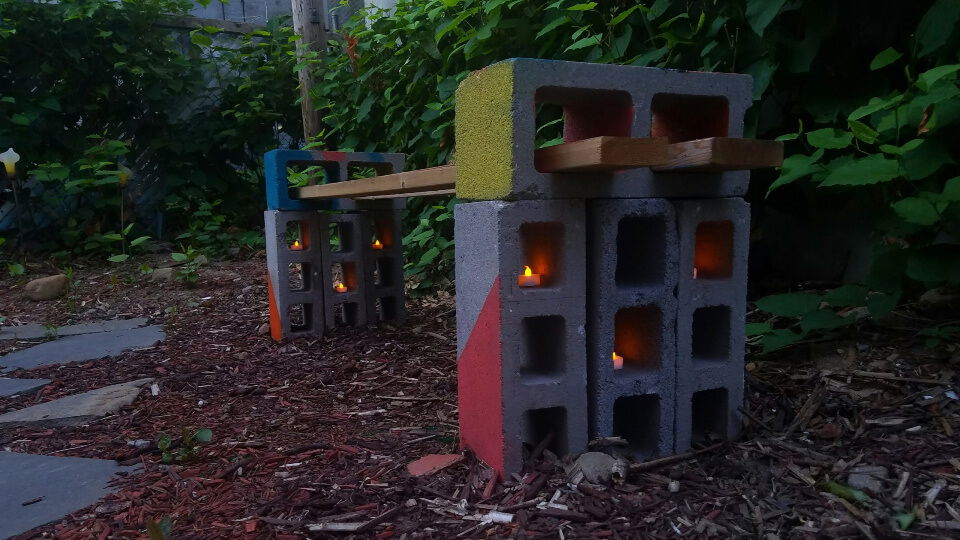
(377, 245)
(617, 361)
(297, 246)
(528, 278)
(340, 287)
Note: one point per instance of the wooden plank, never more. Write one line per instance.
(432, 193)
(718, 154)
(398, 185)
(602, 154)
(192, 23)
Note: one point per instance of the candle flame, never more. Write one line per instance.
(617, 361)
(340, 287)
(527, 271)
(296, 244)
(377, 244)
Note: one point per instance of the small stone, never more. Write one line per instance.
(432, 463)
(868, 477)
(940, 297)
(595, 467)
(264, 329)
(162, 274)
(47, 288)
(218, 277)
(673, 486)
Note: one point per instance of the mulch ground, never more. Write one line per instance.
(311, 438)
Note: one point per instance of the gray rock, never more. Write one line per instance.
(40, 331)
(76, 409)
(162, 274)
(12, 387)
(47, 288)
(63, 485)
(81, 348)
(594, 467)
(868, 477)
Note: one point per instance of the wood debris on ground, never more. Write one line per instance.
(312, 437)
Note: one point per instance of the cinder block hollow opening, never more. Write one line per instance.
(341, 236)
(297, 235)
(711, 334)
(681, 117)
(542, 251)
(299, 276)
(309, 173)
(709, 416)
(713, 250)
(386, 308)
(300, 317)
(637, 420)
(641, 251)
(345, 314)
(548, 422)
(367, 169)
(344, 277)
(543, 346)
(383, 274)
(637, 338)
(384, 234)
(574, 114)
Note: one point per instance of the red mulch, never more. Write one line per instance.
(318, 432)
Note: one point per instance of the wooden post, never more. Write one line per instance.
(313, 37)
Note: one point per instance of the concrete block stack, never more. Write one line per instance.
(336, 262)
(597, 304)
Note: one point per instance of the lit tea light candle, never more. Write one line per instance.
(528, 279)
(617, 361)
(340, 287)
(297, 246)
(377, 245)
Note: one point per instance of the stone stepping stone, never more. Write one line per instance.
(82, 348)
(12, 387)
(39, 331)
(76, 409)
(58, 485)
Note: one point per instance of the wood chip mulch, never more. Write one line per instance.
(311, 438)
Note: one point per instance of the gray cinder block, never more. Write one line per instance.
(309, 258)
(496, 128)
(384, 266)
(521, 350)
(713, 239)
(632, 276)
(347, 307)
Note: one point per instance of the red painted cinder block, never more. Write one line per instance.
(480, 386)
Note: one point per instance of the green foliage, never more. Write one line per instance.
(187, 448)
(191, 260)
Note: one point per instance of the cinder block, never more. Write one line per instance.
(336, 167)
(383, 266)
(496, 126)
(521, 350)
(304, 252)
(345, 277)
(632, 309)
(713, 239)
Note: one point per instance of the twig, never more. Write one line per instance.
(755, 420)
(382, 517)
(670, 460)
(807, 410)
(233, 468)
(892, 377)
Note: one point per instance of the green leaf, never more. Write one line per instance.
(778, 339)
(583, 43)
(586, 6)
(951, 190)
(862, 131)
(881, 304)
(200, 39)
(20, 120)
(164, 442)
(140, 240)
(118, 258)
(904, 519)
(900, 150)
(552, 25)
(178, 257)
(624, 14)
(760, 13)
(796, 167)
(926, 79)
(203, 435)
(929, 265)
(364, 109)
(829, 138)
(756, 329)
(846, 296)
(823, 319)
(429, 255)
(885, 58)
(789, 304)
(917, 210)
(869, 170)
(842, 491)
(937, 25)
(874, 105)
(925, 159)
